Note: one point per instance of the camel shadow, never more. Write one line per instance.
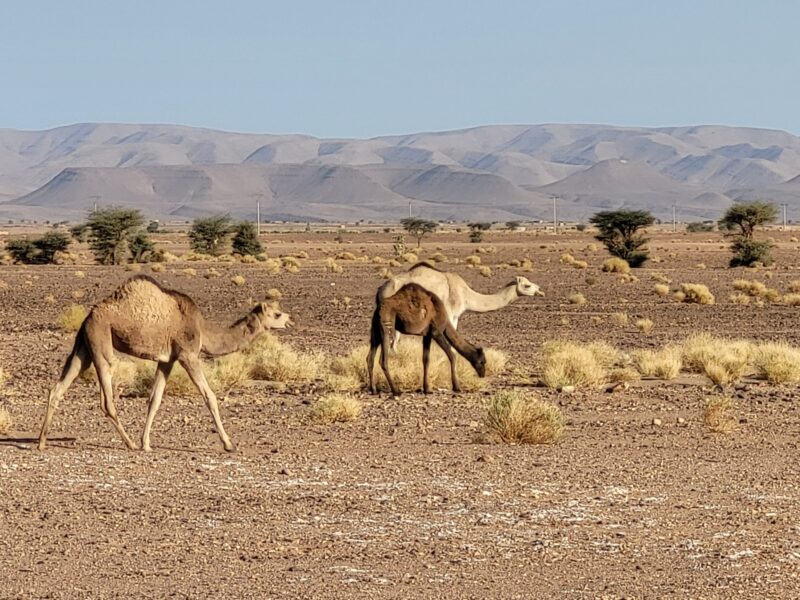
(25, 443)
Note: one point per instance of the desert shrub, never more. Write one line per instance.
(778, 362)
(660, 278)
(485, 271)
(577, 298)
(661, 289)
(716, 415)
(741, 221)
(273, 294)
(332, 266)
(644, 325)
(580, 264)
(238, 280)
(578, 365)
(189, 272)
(696, 293)
(245, 239)
(516, 419)
(791, 299)
(111, 231)
(699, 226)
(72, 318)
(273, 360)
(41, 250)
(345, 256)
(616, 265)
(140, 247)
(567, 259)
(209, 235)
(723, 361)
(664, 363)
(336, 408)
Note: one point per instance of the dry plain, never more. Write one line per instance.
(639, 499)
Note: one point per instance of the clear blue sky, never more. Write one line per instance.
(359, 68)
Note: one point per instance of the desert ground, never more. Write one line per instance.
(638, 499)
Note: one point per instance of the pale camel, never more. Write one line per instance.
(455, 293)
(415, 311)
(144, 320)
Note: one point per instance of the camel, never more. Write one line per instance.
(145, 320)
(455, 293)
(415, 311)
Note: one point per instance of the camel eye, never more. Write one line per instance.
(277, 315)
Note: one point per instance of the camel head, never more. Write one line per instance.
(479, 362)
(269, 316)
(526, 288)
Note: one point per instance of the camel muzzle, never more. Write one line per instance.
(539, 293)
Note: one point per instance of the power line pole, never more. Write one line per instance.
(409, 209)
(674, 223)
(784, 205)
(555, 215)
(258, 217)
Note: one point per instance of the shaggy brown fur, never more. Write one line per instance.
(145, 320)
(415, 311)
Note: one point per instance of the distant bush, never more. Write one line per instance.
(245, 239)
(619, 232)
(699, 227)
(39, 251)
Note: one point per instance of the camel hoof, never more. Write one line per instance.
(146, 449)
(230, 448)
(41, 446)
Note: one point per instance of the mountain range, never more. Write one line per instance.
(491, 173)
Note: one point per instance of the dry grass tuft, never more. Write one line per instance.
(567, 259)
(794, 287)
(577, 298)
(80, 274)
(661, 289)
(644, 325)
(238, 280)
(345, 256)
(596, 319)
(696, 293)
(410, 258)
(578, 365)
(778, 362)
(50, 299)
(663, 364)
(272, 360)
(791, 300)
(616, 265)
(485, 271)
(473, 260)
(189, 272)
(157, 267)
(515, 419)
(336, 408)
(716, 415)
(332, 267)
(723, 361)
(619, 319)
(273, 294)
(72, 318)
(580, 264)
(739, 298)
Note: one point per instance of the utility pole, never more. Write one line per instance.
(674, 223)
(555, 215)
(409, 209)
(784, 205)
(258, 217)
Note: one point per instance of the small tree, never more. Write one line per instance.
(418, 227)
(619, 232)
(141, 247)
(110, 232)
(39, 251)
(245, 239)
(152, 227)
(741, 221)
(699, 227)
(209, 234)
(476, 231)
(80, 232)
(513, 225)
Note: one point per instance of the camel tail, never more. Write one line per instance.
(80, 350)
(375, 331)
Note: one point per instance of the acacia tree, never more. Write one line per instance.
(619, 232)
(111, 230)
(209, 234)
(245, 239)
(418, 227)
(740, 222)
(476, 231)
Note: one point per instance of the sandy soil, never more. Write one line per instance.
(403, 502)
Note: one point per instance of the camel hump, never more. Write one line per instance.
(426, 264)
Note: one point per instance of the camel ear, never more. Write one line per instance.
(261, 307)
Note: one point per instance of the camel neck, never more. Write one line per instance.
(219, 340)
(478, 302)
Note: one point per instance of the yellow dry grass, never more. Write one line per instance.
(722, 360)
(272, 360)
(577, 364)
(473, 260)
(616, 265)
(336, 408)
(238, 280)
(72, 317)
(664, 363)
(6, 422)
(696, 293)
(716, 415)
(644, 325)
(777, 362)
(619, 318)
(577, 298)
(661, 289)
(739, 298)
(485, 271)
(513, 418)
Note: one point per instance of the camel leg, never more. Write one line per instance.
(78, 360)
(192, 366)
(373, 350)
(448, 350)
(104, 369)
(395, 340)
(426, 359)
(387, 336)
(162, 374)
